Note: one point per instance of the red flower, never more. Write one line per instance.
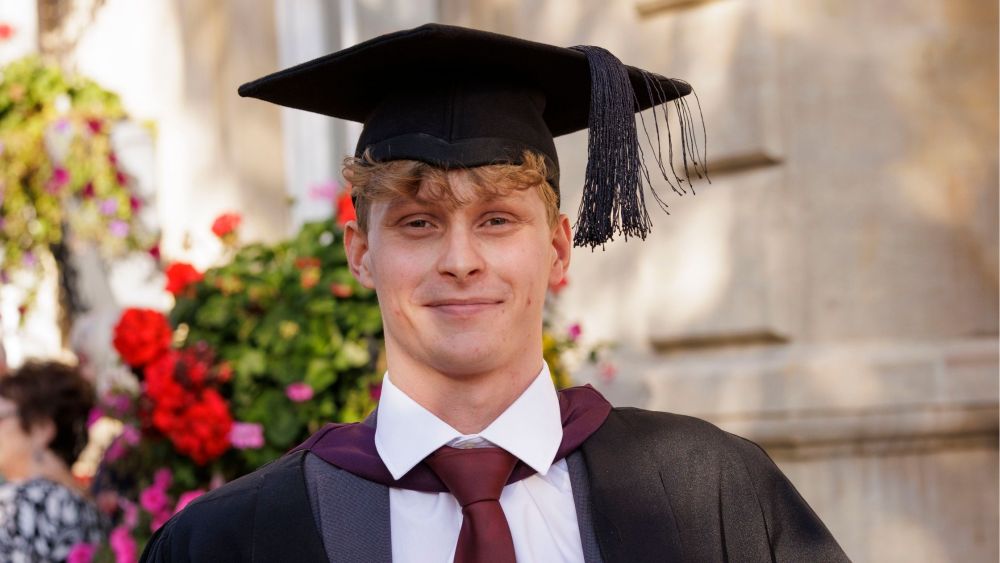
(6, 31)
(345, 209)
(141, 336)
(307, 262)
(160, 385)
(225, 372)
(226, 223)
(309, 278)
(155, 251)
(200, 430)
(180, 275)
(195, 368)
(341, 290)
(193, 417)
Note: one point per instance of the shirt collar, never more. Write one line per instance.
(530, 428)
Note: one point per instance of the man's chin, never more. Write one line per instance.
(465, 364)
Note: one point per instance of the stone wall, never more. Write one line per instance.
(832, 293)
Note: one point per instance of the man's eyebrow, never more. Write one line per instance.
(404, 201)
(402, 204)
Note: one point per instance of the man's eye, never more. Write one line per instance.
(497, 221)
(418, 223)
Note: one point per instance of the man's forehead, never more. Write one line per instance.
(457, 192)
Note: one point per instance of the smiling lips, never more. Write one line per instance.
(463, 307)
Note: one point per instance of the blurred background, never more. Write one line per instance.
(832, 294)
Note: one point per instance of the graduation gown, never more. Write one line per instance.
(662, 487)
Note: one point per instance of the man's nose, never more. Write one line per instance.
(460, 256)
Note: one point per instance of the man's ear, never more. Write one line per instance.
(356, 247)
(562, 245)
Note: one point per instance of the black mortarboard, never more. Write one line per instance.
(456, 97)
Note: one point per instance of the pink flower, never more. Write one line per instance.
(153, 499)
(60, 177)
(163, 478)
(109, 206)
(130, 513)
(131, 435)
(158, 520)
(575, 331)
(81, 553)
(246, 435)
(299, 391)
(375, 392)
(118, 228)
(123, 545)
(324, 192)
(186, 499)
(94, 415)
(115, 451)
(118, 403)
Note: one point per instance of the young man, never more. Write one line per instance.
(472, 455)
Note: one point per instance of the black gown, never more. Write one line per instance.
(664, 487)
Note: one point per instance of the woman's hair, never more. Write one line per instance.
(52, 391)
(374, 181)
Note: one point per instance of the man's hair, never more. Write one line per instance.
(373, 181)
(52, 391)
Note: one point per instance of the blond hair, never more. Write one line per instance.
(373, 181)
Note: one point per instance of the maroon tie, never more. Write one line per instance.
(476, 477)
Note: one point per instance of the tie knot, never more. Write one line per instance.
(472, 475)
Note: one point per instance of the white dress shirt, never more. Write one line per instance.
(539, 509)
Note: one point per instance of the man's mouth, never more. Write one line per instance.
(463, 307)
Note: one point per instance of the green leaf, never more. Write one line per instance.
(251, 362)
(213, 313)
(320, 374)
(351, 355)
(282, 428)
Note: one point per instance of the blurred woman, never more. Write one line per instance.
(43, 428)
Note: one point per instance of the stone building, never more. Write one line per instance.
(832, 294)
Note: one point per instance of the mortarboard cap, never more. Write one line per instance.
(454, 97)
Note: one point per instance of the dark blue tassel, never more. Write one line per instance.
(613, 196)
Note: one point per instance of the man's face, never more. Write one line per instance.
(461, 290)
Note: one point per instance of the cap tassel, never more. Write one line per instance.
(613, 196)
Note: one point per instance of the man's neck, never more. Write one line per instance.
(469, 402)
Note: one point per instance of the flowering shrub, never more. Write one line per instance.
(58, 172)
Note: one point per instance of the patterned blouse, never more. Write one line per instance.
(41, 520)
